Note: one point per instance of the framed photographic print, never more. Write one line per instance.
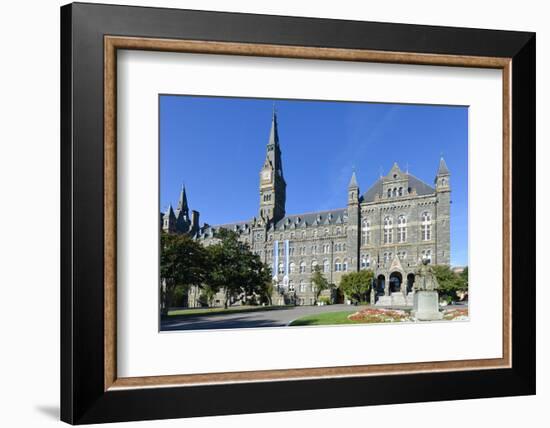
(273, 213)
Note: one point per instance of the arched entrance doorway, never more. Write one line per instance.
(395, 282)
(410, 282)
(380, 285)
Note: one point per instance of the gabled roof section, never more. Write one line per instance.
(394, 171)
(414, 183)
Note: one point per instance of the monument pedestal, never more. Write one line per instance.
(384, 301)
(426, 306)
(398, 299)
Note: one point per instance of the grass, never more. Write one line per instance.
(361, 316)
(328, 318)
(197, 312)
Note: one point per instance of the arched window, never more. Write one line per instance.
(395, 191)
(314, 249)
(281, 268)
(313, 265)
(389, 193)
(292, 267)
(426, 226)
(344, 246)
(365, 233)
(338, 231)
(402, 255)
(388, 230)
(302, 267)
(303, 235)
(302, 287)
(326, 232)
(291, 235)
(326, 248)
(270, 237)
(400, 191)
(326, 266)
(401, 228)
(291, 285)
(314, 234)
(345, 265)
(337, 265)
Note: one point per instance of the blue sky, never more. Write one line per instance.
(216, 146)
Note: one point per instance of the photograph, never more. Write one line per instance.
(297, 213)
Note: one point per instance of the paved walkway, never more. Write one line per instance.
(269, 318)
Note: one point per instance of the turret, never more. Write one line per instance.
(353, 223)
(443, 214)
(353, 190)
(169, 220)
(443, 178)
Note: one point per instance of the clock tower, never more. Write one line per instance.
(272, 182)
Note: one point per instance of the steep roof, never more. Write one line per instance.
(414, 183)
(336, 216)
(442, 167)
(353, 181)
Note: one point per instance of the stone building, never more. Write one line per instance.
(389, 228)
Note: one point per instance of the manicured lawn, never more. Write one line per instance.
(328, 318)
(360, 316)
(219, 311)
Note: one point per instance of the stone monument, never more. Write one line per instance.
(426, 297)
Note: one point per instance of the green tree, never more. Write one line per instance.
(236, 270)
(450, 282)
(319, 281)
(355, 285)
(183, 262)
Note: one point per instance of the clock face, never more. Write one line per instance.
(266, 175)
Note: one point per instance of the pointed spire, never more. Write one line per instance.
(274, 133)
(442, 167)
(353, 180)
(170, 212)
(182, 203)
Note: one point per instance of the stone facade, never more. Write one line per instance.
(390, 228)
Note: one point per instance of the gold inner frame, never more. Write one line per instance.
(113, 43)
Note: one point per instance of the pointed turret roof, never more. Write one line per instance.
(182, 203)
(442, 167)
(170, 212)
(353, 180)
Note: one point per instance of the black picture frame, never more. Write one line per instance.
(83, 398)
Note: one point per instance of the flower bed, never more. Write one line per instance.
(371, 315)
(456, 314)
